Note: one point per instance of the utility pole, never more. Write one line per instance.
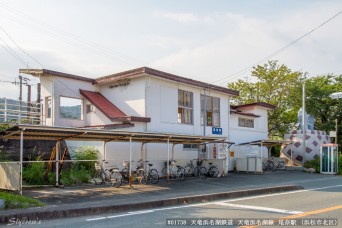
(22, 81)
(20, 96)
(28, 101)
(304, 121)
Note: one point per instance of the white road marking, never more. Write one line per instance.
(259, 208)
(209, 203)
(140, 212)
(279, 194)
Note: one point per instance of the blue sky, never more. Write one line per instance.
(205, 40)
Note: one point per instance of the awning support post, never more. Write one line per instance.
(104, 155)
(168, 160)
(21, 161)
(130, 160)
(58, 145)
(173, 152)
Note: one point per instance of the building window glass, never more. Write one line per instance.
(89, 108)
(71, 108)
(191, 146)
(48, 105)
(212, 111)
(185, 107)
(245, 122)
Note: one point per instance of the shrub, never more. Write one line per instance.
(81, 172)
(340, 165)
(316, 164)
(33, 173)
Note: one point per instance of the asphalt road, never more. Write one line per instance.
(319, 202)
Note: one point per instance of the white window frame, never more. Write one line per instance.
(213, 112)
(185, 107)
(246, 122)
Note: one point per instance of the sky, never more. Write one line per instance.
(214, 41)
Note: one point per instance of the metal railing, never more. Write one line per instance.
(20, 112)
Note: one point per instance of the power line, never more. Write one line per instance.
(278, 51)
(11, 51)
(70, 38)
(20, 47)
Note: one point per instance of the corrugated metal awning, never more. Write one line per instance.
(266, 142)
(37, 132)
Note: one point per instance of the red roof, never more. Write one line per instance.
(108, 108)
(102, 103)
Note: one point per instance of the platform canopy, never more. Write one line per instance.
(38, 132)
(266, 142)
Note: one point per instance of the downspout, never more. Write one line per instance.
(53, 103)
(204, 112)
(228, 130)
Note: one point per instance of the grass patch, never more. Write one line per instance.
(13, 201)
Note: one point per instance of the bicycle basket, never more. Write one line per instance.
(199, 162)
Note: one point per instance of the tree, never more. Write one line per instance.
(319, 104)
(277, 85)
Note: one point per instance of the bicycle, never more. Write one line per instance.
(102, 175)
(138, 174)
(270, 165)
(212, 172)
(178, 174)
(190, 169)
(152, 175)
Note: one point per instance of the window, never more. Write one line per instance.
(70, 108)
(191, 146)
(212, 111)
(244, 122)
(48, 105)
(89, 108)
(185, 106)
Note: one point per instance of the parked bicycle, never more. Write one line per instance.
(112, 176)
(190, 169)
(137, 175)
(270, 165)
(175, 171)
(203, 172)
(152, 175)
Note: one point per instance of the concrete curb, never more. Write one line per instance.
(72, 210)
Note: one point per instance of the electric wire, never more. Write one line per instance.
(277, 51)
(20, 47)
(70, 38)
(11, 51)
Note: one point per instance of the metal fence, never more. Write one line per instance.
(20, 112)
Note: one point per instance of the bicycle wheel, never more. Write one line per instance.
(97, 177)
(141, 176)
(181, 173)
(270, 166)
(203, 172)
(189, 171)
(213, 172)
(116, 179)
(197, 171)
(107, 174)
(125, 174)
(281, 165)
(153, 176)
